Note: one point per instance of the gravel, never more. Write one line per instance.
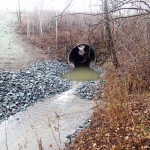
(88, 89)
(97, 68)
(24, 88)
(71, 137)
(19, 90)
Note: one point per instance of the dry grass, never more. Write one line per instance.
(123, 123)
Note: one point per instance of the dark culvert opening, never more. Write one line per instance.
(81, 55)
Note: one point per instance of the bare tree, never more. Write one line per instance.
(18, 12)
(103, 29)
(109, 38)
(56, 31)
(119, 10)
(28, 26)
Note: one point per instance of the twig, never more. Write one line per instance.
(6, 137)
(58, 128)
(66, 7)
(39, 143)
(53, 134)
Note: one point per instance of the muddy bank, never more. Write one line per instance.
(15, 52)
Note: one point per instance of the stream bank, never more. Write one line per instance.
(15, 52)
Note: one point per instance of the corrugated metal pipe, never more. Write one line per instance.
(81, 55)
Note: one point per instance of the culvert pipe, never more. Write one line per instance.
(81, 55)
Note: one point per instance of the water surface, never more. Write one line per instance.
(82, 73)
(20, 132)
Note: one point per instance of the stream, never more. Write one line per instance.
(66, 111)
(82, 73)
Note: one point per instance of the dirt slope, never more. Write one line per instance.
(15, 53)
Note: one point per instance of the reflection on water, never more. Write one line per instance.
(20, 132)
(82, 73)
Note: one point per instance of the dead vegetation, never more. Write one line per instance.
(123, 123)
(56, 36)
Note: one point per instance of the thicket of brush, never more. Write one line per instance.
(124, 121)
(56, 36)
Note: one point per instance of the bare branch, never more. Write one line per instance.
(144, 3)
(66, 7)
(131, 38)
(129, 8)
(121, 17)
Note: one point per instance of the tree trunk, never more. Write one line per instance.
(109, 38)
(28, 27)
(19, 12)
(40, 27)
(33, 29)
(56, 31)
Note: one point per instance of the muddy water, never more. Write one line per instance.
(21, 129)
(82, 73)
